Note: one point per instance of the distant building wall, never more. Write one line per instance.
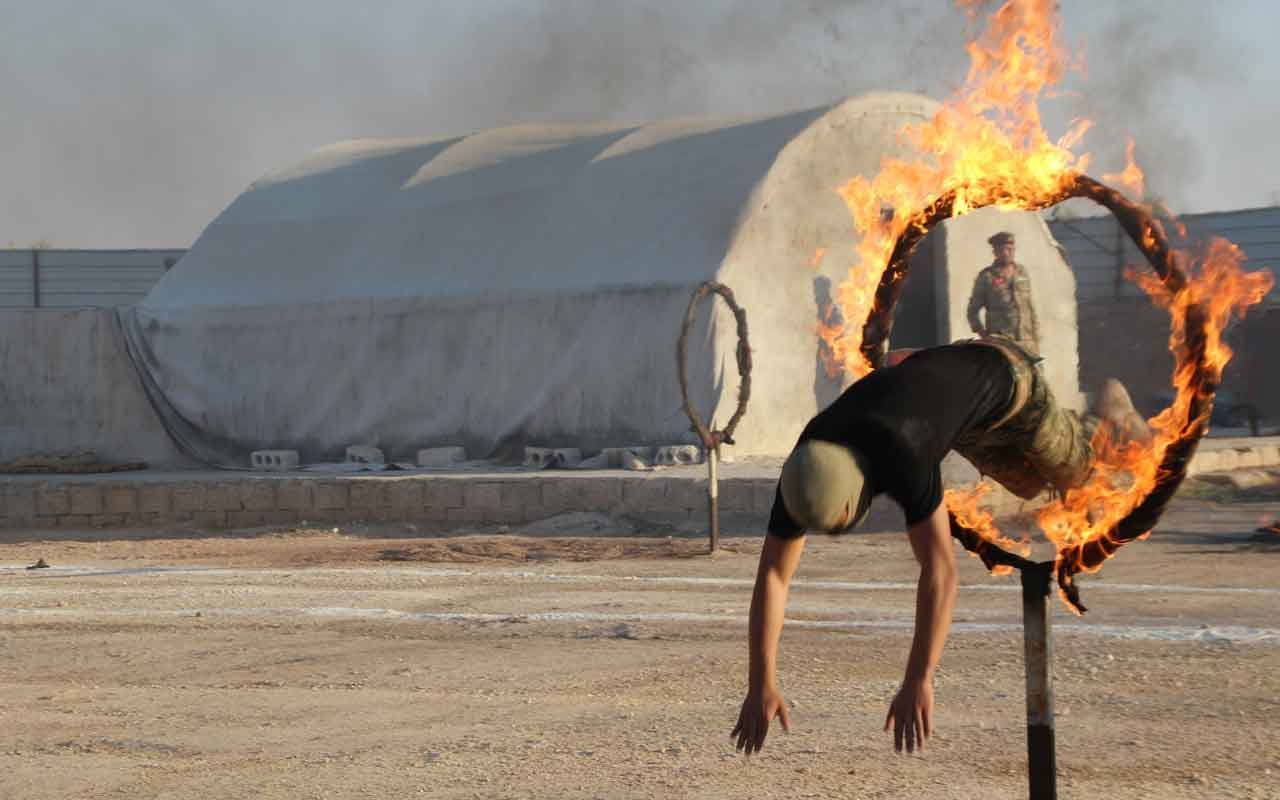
(1122, 335)
(80, 278)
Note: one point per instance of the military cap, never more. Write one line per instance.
(1000, 238)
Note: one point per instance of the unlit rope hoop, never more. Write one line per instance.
(711, 439)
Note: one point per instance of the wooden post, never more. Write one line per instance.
(1041, 764)
(713, 495)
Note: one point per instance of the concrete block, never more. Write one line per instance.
(274, 460)
(294, 495)
(365, 454)
(52, 502)
(644, 494)
(484, 497)
(551, 457)
(441, 456)
(210, 519)
(1227, 460)
(623, 457)
(736, 496)
(1270, 455)
(86, 500)
(259, 495)
(107, 520)
(677, 454)
(222, 497)
(121, 500)
(561, 494)
(280, 517)
(188, 497)
(364, 495)
(405, 495)
(443, 493)
(1248, 458)
(245, 519)
(688, 495)
(20, 503)
(524, 494)
(330, 495)
(762, 496)
(601, 495)
(75, 521)
(155, 499)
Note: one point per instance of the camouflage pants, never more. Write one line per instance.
(1036, 445)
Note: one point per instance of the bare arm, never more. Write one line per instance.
(911, 713)
(778, 561)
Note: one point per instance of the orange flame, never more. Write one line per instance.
(987, 146)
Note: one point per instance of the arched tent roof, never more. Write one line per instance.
(527, 280)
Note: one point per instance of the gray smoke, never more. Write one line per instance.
(132, 125)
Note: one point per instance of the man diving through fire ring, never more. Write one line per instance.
(887, 434)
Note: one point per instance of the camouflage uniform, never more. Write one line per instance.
(1008, 304)
(1037, 444)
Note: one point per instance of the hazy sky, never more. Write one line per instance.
(132, 124)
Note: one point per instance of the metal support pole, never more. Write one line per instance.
(35, 278)
(713, 494)
(1041, 766)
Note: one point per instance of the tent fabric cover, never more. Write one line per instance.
(524, 282)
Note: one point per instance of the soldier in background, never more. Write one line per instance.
(1004, 290)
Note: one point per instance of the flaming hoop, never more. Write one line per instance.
(986, 147)
(1191, 358)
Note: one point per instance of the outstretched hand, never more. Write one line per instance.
(758, 710)
(911, 715)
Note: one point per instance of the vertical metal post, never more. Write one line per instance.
(1041, 762)
(35, 278)
(713, 494)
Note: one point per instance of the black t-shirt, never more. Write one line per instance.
(904, 419)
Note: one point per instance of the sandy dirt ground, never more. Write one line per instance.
(320, 664)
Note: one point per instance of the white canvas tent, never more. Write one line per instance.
(525, 282)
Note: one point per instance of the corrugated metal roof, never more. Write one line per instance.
(79, 278)
(1098, 250)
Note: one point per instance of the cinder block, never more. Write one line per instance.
(443, 493)
(53, 502)
(1270, 455)
(735, 496)
(762, 496)
(75, 521)
(600, 494)
(644, 494)
(188, 497)
(245, 519)
(107, 520)
(364, 495)
(483, 496)
(688, 494)
(210, 519)
(258, 495)
(1248, 458)
(404, 495)
(222, 497)
(274, 460)
(86, 500)
(121, 500)
(1227, 460)
(522, 494)
(155, 499)
(561, 494)
(365, 454)
(550, 457)
(330, 495)
(20, 503)
(294, 495)
(441, 456)
(677, 455)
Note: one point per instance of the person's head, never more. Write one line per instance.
(1002, 247)
(823, 487)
